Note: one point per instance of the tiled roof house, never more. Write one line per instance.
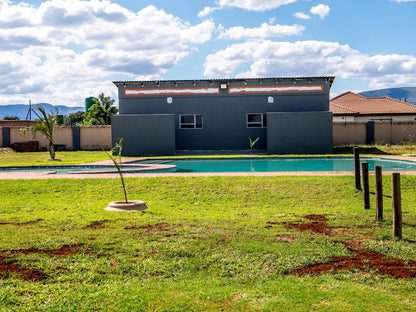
(350, 106)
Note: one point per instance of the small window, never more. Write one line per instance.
(257, 120)
(193, 121)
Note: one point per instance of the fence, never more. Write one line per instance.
(99, 137)
(380, 132)
(72, 138)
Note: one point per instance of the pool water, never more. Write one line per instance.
(255, 164)
(282, 164)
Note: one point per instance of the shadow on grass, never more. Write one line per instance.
(364, 150)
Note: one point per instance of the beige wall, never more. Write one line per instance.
(91, 137)
(95, 137)
(396, 132)
(349, 133)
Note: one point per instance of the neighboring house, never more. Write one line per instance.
(288, 115)
(352, 107)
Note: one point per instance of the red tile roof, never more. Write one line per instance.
(350, 103)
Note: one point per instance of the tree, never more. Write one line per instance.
(11, 118)
(101, 111)
(45, 126)
(75, 118)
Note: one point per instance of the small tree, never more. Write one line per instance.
(101, 111)
(46, 126)
(116, 150)
(252, 143)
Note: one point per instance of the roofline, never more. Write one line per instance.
(222, 80)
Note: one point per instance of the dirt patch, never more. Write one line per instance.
(22, 223)
(286, 238)
(361, 259)
(97, 224)
(158, 227)
(26, 274)
(65, 250)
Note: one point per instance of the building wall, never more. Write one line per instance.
(299, 133)
(95, 137)
(145, 134)
(225, 112)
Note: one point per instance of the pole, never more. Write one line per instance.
(366, 192)
(356, 152)
(397, 205)
(379, 193)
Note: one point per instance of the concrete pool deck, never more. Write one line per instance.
(49, 174)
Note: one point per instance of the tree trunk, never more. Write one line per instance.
(52, 151)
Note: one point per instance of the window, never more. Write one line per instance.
(193, 121)
(258, 120)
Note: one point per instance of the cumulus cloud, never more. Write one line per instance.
(75, 45)
(301, 15)
(264, 31)
(404, 0)
(255, 5)
(267, 58)
(206, 11)
(321, 9)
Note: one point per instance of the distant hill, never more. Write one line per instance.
(404, 94)
(20, 110)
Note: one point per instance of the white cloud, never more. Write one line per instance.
(301, 15)
(60, 50)
(321, 9)
(255, 5)
(404, 0)
(264, 31)
(267, 58)
(206, 11)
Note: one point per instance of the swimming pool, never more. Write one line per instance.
(281, 164)
(244, 164)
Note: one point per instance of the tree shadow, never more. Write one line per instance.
(363, 150)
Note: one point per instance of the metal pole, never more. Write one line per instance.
(356, 152)
(379, 193)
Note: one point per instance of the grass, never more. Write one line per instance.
(205, 244)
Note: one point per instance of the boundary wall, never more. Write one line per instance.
(99, 137)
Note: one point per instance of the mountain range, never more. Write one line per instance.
(404, 94)
(21, 110)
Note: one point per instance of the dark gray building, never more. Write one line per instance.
(288, 115)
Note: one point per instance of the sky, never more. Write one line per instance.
(63, 51)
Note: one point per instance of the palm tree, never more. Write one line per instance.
(46, 127)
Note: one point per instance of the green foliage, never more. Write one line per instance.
(116, 150)
(101, 111)
(11, 118)
(45, 126)
(75, 118)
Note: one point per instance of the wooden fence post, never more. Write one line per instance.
(379, 193)
(366, 190)
(356, 152)
(397, 205)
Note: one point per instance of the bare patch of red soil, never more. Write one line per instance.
(360, 259)
(159, 227)
(33, 274)
(65, 250)
(96, 224)
(26, 274)
(22, 223)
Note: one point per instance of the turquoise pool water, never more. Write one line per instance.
(282, 164)
(266, 164)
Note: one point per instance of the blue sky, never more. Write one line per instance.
(62, 51)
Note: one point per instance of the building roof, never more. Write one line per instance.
(330, 80)
(350, 103)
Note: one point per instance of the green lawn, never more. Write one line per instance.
(204, 244)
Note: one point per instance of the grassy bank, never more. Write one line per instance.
(204, 244)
